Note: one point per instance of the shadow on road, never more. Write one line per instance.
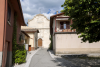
(77, 60)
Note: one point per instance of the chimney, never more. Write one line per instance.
(57, 12)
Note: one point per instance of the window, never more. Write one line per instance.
(65, 25)
(9, 14)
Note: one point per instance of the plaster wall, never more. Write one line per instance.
(9, 29)
(2, 8)
(70, 43)
(46, 40)
(35, 39)
(27, 39)
(39, 22)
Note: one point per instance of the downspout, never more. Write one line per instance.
(55, 24)
(4, 36)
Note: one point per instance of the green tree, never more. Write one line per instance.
(86, 18)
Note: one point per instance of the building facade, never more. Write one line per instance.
(9, 9)
(33, 34)
(65, 40)
(41, 23)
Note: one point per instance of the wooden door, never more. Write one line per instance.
(29, 47)
(40, 42)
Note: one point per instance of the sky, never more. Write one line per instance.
(48, 8)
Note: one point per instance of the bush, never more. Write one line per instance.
(20, 55)
(51, 45)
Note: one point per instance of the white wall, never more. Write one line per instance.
(31, 39)
(70, 43)
(35, 39)
(39, 22)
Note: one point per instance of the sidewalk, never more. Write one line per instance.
(28, 59)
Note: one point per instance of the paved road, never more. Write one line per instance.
(43, 59)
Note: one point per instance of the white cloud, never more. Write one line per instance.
(48, 15)
(28, 16)
(48, 7)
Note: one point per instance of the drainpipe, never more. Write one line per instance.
(4, 34)
(55, 24)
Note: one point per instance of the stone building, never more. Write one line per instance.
(41, 23)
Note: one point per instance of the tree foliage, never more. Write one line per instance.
(86, 18)
(51, 44)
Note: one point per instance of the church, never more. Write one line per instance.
(41, 23)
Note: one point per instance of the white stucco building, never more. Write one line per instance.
(66, 41)
(41, 23)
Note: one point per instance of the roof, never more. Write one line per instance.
(18, 9)
(51, 17)
(39, 15)
(25, 33)
(29, 29)
(56, 15)
(51, 20)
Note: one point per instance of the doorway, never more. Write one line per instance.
(39, 42)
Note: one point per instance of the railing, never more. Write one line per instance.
(66, 30)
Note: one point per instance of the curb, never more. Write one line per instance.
(29, 60)
(59, 63)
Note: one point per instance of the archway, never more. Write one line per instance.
(39, 42)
